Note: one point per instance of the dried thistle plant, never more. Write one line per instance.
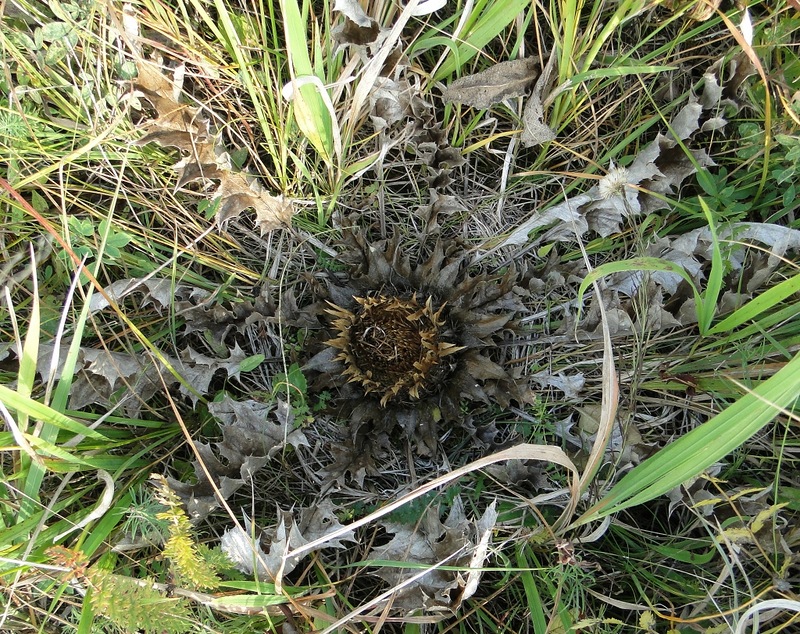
(410, 343)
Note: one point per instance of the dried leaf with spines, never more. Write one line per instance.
(187, 128)
(502, 81)
(454, 542)
(265, 555)
(250, 439)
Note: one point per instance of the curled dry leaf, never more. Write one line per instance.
(456, 541)
(657, 171)
(185, 127)
(493, 85)
(252, 433)
(535, 131)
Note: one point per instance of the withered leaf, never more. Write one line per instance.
(250, 439)
(238, 192)
(244, 547)
(535, 131)
(493, 85)
(205, 159)
(352, 33)
(457, 542)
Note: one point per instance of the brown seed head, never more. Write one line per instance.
(391, 346)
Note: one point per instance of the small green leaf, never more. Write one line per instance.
(39, 203)
(251, 363)
(127, 71)
(55, 31)
(118, 240)
(82, 227)
(55, 53)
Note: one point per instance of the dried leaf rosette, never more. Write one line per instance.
(409, 344)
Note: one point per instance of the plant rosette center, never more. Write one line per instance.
(393, 347)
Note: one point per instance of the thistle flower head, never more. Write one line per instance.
(409, 343)
(393, 347)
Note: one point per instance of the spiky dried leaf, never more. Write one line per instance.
(205, 159)
(456, 542)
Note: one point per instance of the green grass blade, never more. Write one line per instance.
(708, 306)
(617, 71)
(635, 264)
(699, 449)
(29, 407)
(758, 305)
(497, 17)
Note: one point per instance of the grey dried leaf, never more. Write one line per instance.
(567, 217)
(356, 458)
(483, 537)
(245, 550)
(441, 206)
(248, 428)
(244, 547)
(156, 291)
(571, 385)
(493, 85)
(712, 91)
(250, 439)
(352, 9)
(457, 542)
(319, 520)
(535, 131)
(714, 123)
(685, 123)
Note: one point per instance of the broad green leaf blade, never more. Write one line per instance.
(310, 110)
(691, 454)
(39, 411)
(763, 302)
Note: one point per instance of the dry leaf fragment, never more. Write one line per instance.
(535, 130)
(493, 85)
(186, 128)
(238, 192)
(457, 541)
(571, 385)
